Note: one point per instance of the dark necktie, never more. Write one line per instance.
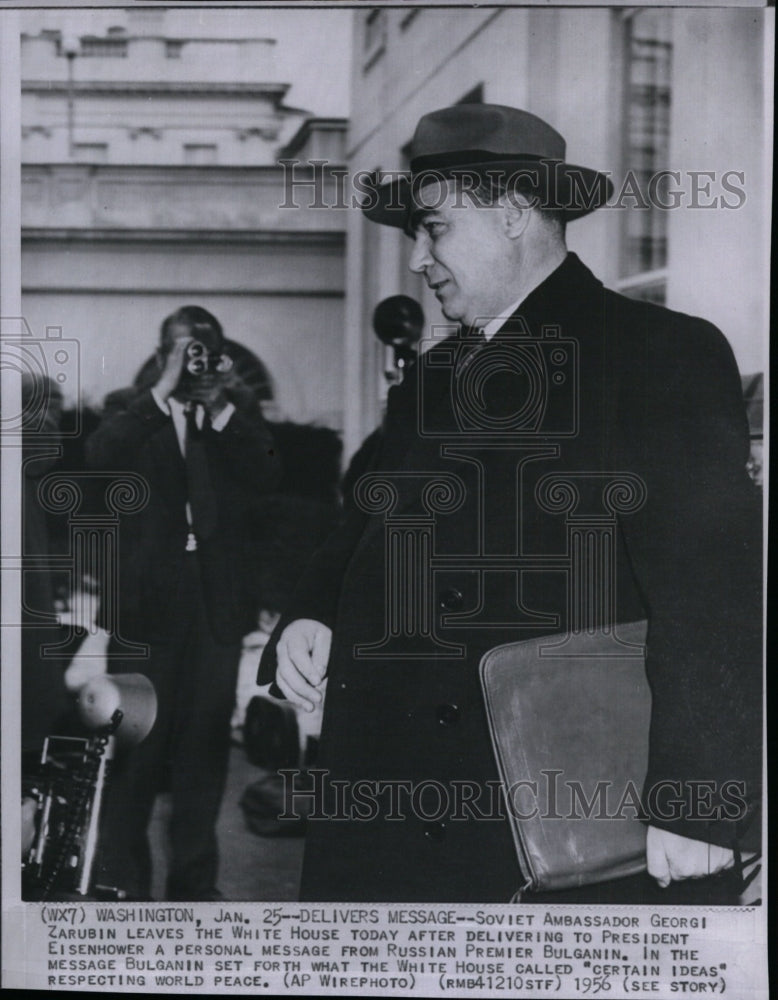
(202, 499)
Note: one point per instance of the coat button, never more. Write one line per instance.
(435, 831)
(452, 599)
(448, 715)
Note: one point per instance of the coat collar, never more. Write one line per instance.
(569, 292)
(557, 300)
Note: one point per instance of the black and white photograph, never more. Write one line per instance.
(384, 491)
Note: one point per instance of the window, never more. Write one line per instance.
(105, 47)
(199, 154)
(374, 38)
(648, 51)
(173, 48)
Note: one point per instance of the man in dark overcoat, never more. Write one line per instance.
(554, 395)
(184, 595)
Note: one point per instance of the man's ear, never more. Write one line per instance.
(516, 216)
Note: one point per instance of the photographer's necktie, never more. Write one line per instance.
(202, 499)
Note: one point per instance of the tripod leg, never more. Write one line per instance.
(93, 824)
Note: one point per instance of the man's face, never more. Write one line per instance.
(463, 251)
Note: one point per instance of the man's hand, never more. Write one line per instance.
(303, 652)
(167, 383)
(671, 858)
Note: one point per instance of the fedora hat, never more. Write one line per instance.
(493, 141)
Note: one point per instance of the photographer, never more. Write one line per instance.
(185, 591)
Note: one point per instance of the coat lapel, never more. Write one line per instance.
(171, 471)
(421, 412)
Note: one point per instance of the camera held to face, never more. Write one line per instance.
(199, 361)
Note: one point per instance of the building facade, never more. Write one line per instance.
(634, 91)
(150, 180)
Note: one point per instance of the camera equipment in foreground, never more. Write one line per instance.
(65, 790)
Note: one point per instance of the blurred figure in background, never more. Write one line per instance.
(44, 699)
(186, 589)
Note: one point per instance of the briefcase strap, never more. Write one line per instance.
(518, 895)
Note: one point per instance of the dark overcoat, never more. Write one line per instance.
(585, 405)
(135, 435)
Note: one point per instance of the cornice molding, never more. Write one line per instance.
(334, 239)
(186, 291)
(214, 173)
(135, 88)
(309, 126)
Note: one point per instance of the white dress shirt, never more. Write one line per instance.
(177, 411)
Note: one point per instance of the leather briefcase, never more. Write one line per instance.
(569, 718)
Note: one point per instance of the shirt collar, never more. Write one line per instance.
(495, 324)
(566, 284)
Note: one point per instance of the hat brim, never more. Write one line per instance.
(571, 190)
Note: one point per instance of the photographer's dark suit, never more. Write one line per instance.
(191, 608)
(658, 398)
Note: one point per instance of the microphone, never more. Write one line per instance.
(398, 322)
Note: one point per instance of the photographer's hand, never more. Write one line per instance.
(167, 383)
